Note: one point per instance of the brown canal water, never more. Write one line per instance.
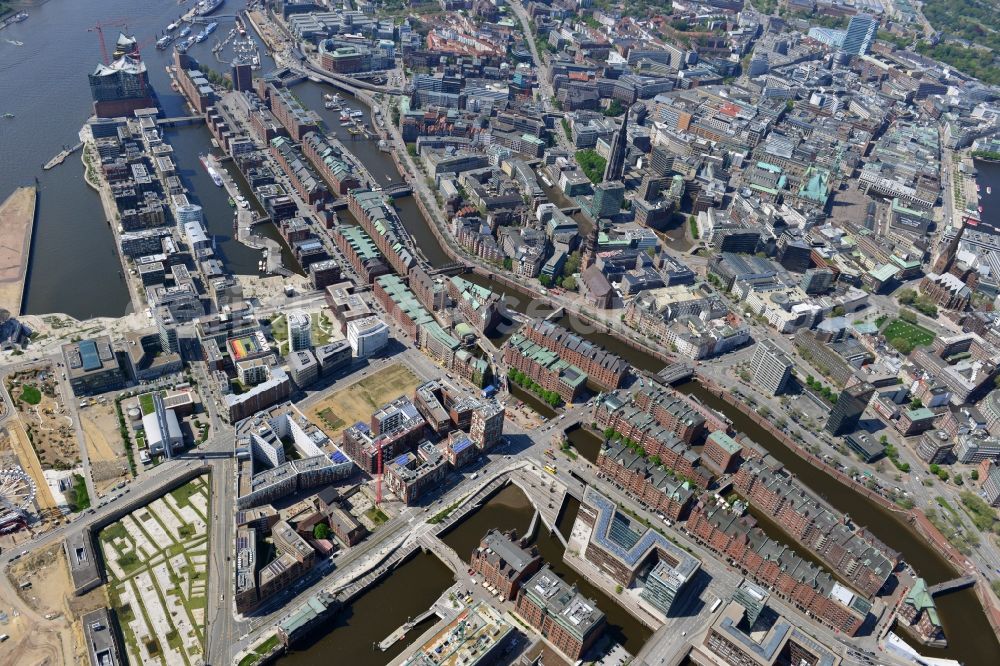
(586, 443)
(511, 509)
(352, 635)
(532, 401)
(971, 637)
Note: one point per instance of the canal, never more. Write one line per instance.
(353, 633)
(72, 239)
(510, 509)
(971, 637)
(961, 613)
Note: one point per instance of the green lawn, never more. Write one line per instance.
(184, 493)
(376, 515)
(911, 334)
(146, 403)
(82, 501)
(30, 394)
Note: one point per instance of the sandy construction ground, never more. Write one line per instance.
(343, 408)
(17, 215)
(108, 461)
(44, 626)
(29, 462)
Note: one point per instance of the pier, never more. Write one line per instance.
(246, 221)
(61, 157)
(17, 223)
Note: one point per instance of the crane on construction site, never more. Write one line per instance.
(134, 53)
(378, 476)
(99, 29)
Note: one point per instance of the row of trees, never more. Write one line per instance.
(822, 389)
(552, 398)
(634, 447)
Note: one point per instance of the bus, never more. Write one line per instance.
(550, 469)
(715, 605)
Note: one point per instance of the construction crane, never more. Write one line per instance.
(378, 476)
(99, 29)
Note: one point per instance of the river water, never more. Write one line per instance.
(74, 267)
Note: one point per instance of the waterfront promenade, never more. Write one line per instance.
(17, 221)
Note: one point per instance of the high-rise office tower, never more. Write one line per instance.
(615, 168)
(608, 199)
(770, 368)
(242, 73)
(860, 34)
(850, 406)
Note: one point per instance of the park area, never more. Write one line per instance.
(342, 408)
(905, 337)
(46, 422)
(156, 559)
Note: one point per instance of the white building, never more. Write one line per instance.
(163, 430)
(367, 336)
(188, 212)
(299, 331)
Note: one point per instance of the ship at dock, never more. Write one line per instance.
(209, 29)
(164, 42)
(209, 163)
(206, 7)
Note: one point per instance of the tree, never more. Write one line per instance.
(916, 403)
(592, 164)
(545, 280)
(615, 108)
(572, 263)
(902, 345)
(839, 311)
(906, 296)
(321, 531)
(508, 263)
(974, 475)
(569, 283)
(909, 316)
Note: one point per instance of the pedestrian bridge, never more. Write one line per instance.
(952, 585)
(676, 372)
(177, 121)
(399, 190)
